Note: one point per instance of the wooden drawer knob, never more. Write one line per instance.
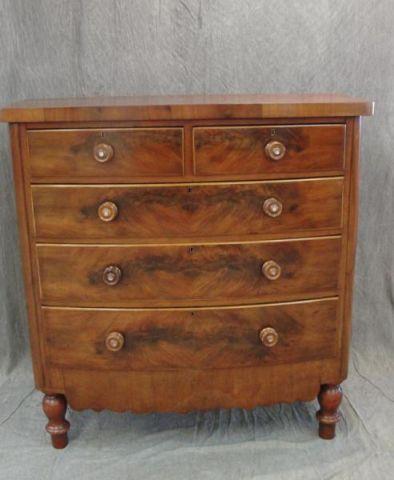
(107, 211)
(272, 207)
(275, 150)
(271, 270)
(269, 337)
(103, 152)
(114, 341)
(112, 275)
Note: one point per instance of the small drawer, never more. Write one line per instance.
(106, 153)
(199, 338)
(181, 275)
(154, 213)
(245, 151)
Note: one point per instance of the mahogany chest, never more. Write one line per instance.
(187, 253)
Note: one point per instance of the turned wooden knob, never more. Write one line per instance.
(114, 341)
(271, 270)
(107, 211)
(275, 150)
(269, 337)
(112, 275)
(272, 207)
(103, 152)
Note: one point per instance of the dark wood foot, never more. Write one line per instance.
(329, 398)
(55, 407)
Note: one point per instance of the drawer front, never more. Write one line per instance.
(188, 275)
(213, 338)
(132, 152)
(242, 151)
(157, 212)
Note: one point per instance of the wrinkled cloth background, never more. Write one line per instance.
(51, 48)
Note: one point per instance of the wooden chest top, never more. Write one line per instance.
(186, 107)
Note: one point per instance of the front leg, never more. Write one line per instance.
(329, 398)
(55, 407)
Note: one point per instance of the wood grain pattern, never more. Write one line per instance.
(30, 274)
(158, 212)
(233, 150)
(350, 240)
(161, 304)
(187, 175)
(138, 152)
(167, 107)
(188, 275)
(196, 389)
(213, 338)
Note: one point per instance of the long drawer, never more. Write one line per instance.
(155, 212)
(180, 275)
(199, 338)
(244, 151)
(93, 153)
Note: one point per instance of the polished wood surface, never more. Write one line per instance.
(271, 270)
(106, 211)
(137, 152)
(350, 237)
(186, 390)
(330, 397)
(187, 175)
(188, 275)
(114, 341)
(269, 337)
(193, 107)
(201, 338)
(242, 150)
(188, 253)
(29, 265)
(55, 407)
(158, 212)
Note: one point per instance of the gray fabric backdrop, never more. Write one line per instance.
(52, 48)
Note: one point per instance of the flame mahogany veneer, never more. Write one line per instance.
(187, 253)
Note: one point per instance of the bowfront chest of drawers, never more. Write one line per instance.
(187, 253)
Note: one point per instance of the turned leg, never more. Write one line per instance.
(55, 407)
(329, 398)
